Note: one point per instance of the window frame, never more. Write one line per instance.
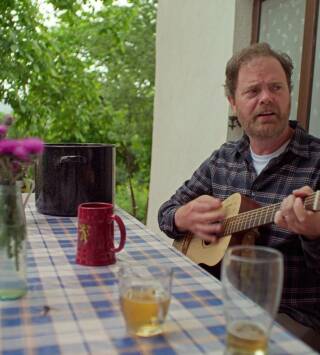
(307, 58)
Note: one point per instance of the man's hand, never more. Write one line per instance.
(201, 216)
(294, 217)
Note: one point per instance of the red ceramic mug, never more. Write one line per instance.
(96, 234)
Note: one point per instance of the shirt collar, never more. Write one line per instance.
(299, 143)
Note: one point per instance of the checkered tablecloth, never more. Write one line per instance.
(73, 309)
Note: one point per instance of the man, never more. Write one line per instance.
(275, 161)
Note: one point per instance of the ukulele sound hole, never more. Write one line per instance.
(206, 243)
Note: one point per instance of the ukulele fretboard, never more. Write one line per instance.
(263, 215)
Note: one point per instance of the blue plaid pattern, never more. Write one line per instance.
(73, 309)
(230, 170)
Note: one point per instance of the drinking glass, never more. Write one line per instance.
(145, 294)
(252, 278)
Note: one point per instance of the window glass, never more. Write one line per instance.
(282, 24)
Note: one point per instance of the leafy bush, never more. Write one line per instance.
(90, 78)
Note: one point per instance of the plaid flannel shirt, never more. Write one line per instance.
(230, 170)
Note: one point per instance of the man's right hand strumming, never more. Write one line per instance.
(201, 217)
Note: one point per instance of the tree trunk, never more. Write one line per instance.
(133, 200)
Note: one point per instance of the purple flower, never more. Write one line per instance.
(20, 152)
(16, 155)
(8, 119)
(7, 146)
(3, 130)
(16, 167)
(33, 145)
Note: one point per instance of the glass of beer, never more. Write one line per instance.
(252, 279)
(145, 294)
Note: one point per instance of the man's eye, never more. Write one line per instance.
(276, 87)
(252, 92)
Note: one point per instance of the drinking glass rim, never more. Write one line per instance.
(132, 269)
(275, 254)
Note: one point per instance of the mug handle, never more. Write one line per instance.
(122, 233)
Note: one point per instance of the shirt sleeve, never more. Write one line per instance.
(199, 184)
(311, 250)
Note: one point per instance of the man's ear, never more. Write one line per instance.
(232, 104)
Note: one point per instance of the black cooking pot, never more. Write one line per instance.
(69, 174)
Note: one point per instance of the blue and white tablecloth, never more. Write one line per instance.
(74, 309)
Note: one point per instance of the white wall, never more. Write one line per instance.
(194, 39)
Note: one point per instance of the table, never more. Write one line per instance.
(74, 309)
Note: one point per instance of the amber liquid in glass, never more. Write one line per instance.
(144, 310)
(246, 338)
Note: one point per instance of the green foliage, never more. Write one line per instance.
(88, 79)
(124, 196)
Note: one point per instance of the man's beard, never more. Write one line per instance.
(266, 131)
(273, 129)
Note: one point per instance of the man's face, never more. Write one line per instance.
(262, 98)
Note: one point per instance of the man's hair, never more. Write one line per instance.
(246, 55)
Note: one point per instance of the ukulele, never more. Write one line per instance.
(242, 216)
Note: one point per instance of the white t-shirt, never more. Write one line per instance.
(260, 161)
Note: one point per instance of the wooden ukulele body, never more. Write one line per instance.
(242, 216)
(209, 255)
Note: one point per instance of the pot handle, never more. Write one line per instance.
(72, 159)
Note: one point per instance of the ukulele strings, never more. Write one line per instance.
(256, 217)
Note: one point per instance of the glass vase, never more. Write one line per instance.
(13, 270)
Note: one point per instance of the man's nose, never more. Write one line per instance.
(265, 96)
